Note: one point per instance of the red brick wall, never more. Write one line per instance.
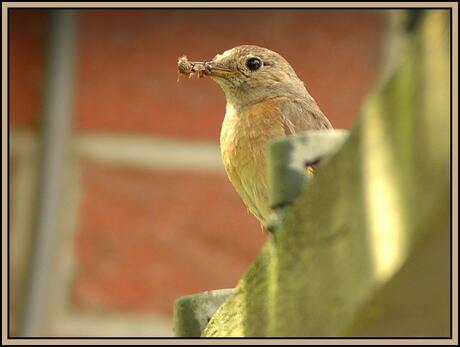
(147, 236)
(127, 63)
(159, 235)
(27, 44)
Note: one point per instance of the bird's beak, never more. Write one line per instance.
(212, 68)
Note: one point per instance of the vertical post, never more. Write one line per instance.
(57, 114)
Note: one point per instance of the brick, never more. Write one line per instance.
(27, 35)
(146, 238)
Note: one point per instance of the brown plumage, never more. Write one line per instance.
(265, 100)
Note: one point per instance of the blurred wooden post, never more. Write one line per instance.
(193, 312)
(287, 161)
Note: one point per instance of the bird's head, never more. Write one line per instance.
(249, 74)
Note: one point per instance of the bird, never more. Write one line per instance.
(265, 100)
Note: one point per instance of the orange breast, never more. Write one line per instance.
(243, 141)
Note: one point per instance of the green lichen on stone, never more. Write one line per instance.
(364, 250)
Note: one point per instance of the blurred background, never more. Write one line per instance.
(119, 202)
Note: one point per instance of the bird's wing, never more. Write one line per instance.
(301, 115)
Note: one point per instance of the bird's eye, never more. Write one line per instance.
(253, 64)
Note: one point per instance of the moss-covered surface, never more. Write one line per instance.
(364, 251)
(193, 312)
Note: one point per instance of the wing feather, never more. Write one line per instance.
(301, 115)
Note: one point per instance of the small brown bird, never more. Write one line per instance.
(265, 100)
